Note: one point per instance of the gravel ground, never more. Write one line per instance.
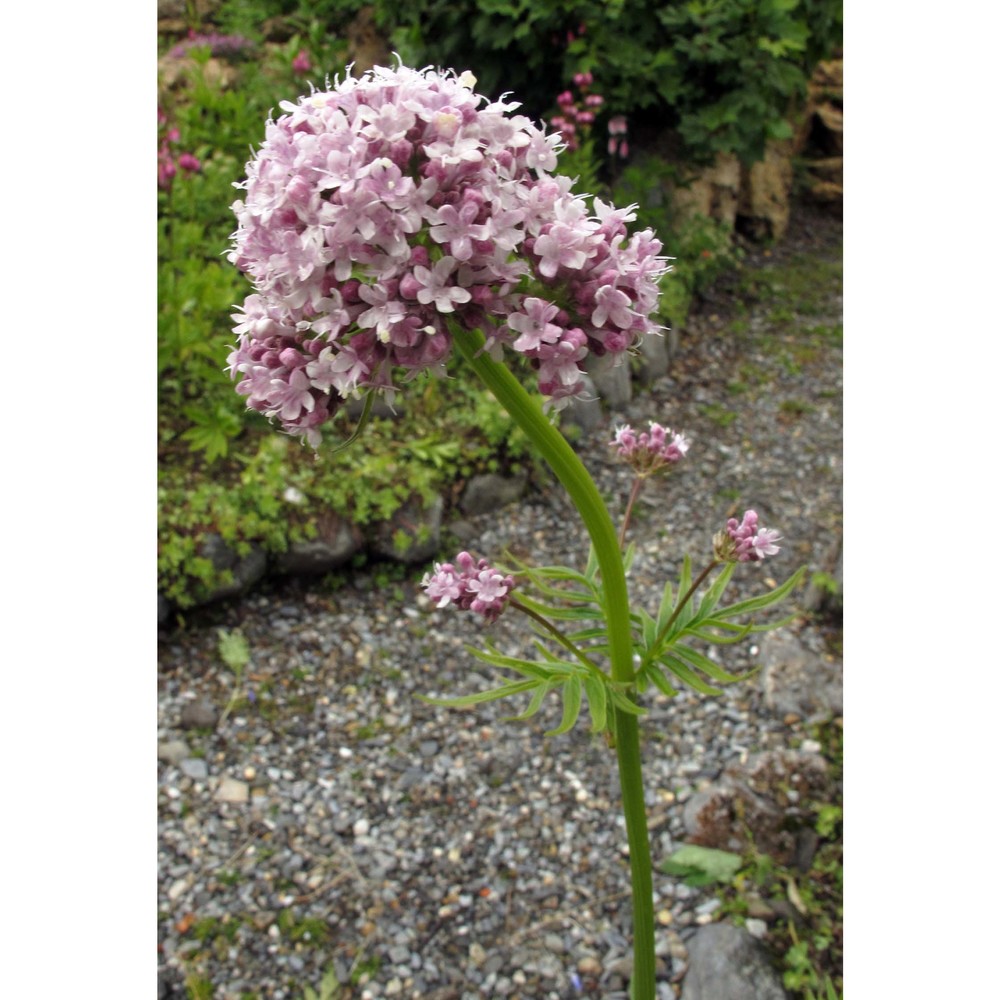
(331, 820)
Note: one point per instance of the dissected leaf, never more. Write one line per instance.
(707, 666)
(686, 674)
(765, 600)
(597, 702)
(494, 694)
(572, 700)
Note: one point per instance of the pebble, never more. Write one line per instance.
(232, 790)
(457, 844)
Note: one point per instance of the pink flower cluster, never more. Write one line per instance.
(233, 46)
(744, 541)
(650, 452)
(400, 205)
(473, 586)
(576, 112)
(167, 159)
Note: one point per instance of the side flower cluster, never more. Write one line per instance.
(745, 541)
(471, 586)
(651, 451)
(383, 213)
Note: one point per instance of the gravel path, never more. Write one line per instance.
(337, 822)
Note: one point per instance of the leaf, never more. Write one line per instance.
(655, 674)
(572, 700)
(706, 666)
(714, 593)
(686, 674)
(534, 705)
(494, 694)
(766, 600)
(702, 865)
(597, 702)
(666, 606)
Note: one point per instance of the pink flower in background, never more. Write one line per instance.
(301, 64)
(398, 206)
(617, 132)
(167, 160)
(471, 586)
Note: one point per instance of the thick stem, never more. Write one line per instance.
(578, 483)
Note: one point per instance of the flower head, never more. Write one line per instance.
(397, 207)
(745, 541)
(649, 452)
(471, 586)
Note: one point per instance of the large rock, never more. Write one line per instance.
(799, 681)
(488, 492)
(246, 569)
(712, 192)
(654, 357)
(412, 534)
(612, 379)
(726, 963)
(758, 802)
(765, 190)
(584, 411)
(335, 543)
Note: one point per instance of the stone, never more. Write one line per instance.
(232, 790)
(195, 767)
(584, 411)
(765, 189)
(726, 963)
(489, 492)
(199, 714)
(412, 534)
(798, 681)
(613, 380)
(246, 569)
(336, 542)
(654, 357)
(173, 751)
(753, 803)
(712, 191)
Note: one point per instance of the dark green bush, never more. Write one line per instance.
(721, 74)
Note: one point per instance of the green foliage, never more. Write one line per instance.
(699, 866)
(720, 74)
(234, 650)
(272, 489)
(329, 988)
(701, 247)
(569, 608)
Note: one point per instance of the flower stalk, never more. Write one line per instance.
(573, 475)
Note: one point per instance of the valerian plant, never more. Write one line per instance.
(399, 219)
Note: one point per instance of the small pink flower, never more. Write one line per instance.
(470, 586)
(301, 64)
(743, 541)
(649, 453)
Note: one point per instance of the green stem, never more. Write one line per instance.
(654, 649)
(572, 473)
(636, 486)
(556, 633)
